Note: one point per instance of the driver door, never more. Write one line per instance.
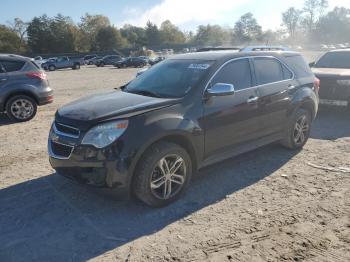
(233, 119)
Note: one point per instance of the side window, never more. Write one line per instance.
(12, 66)
(287, 74)
(237, 73)
(268, 70)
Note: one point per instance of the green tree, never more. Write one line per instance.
(9, 40)
(247, 29)
(20, 28)
(89, 26)
(313, 10)
(152, 34)
(39, 34)
(136, 36)
(211, 35)
(171, 34)
(338, 18)
(109, 38)
(291, 19)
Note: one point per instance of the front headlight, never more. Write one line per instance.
(105, 134)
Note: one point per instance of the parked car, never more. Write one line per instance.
(107, 60)
(23, 87)
(93, 60)
(131, 62)
(264, 48)
(333, 70)
(39, 60)
(156, 60)
(185, 113)
(87, 58)
(61, 63)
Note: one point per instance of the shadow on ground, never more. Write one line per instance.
(53, 219)
(331, 123)
(4, 120)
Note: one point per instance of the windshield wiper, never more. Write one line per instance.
(144, 92)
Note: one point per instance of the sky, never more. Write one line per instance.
(187, 14)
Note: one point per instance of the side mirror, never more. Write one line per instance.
(221, 89)
(312, 64)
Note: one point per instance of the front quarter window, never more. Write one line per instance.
(170, 79)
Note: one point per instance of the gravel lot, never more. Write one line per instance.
(268, 205)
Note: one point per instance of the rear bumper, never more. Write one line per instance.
(45, 97)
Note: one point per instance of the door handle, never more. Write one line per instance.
(252, 100)
(3, 79)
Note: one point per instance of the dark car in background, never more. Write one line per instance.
(180, 115)
(156, 60)
(23, 86)
(131, 62)
(88, 58)
(62, 63)
(93, 60)
(333, 70)
(108, 60)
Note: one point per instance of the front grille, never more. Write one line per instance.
(61, 150)
(67, 130)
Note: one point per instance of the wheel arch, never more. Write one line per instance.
(17, 93)
(179, 139)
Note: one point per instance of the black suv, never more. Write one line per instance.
(107, 60)
(182, 114)
(131, 62)
(23, 86)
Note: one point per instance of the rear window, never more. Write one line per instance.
(299, 66)
(334, 60)
(12, 66)
(268, 70)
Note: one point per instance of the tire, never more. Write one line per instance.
(52, 68)
(24, 111)
(76, 67)
(102, 64)
(294, 137)
(148, 169)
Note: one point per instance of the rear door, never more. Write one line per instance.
(274, 80)
(232, 120)
(3, 76)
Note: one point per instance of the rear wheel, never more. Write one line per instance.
(102, 64)
(163, 173)
(76, 67)
(298, 130)
(52, 68)
(21, 108)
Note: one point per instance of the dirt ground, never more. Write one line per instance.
(268, 205)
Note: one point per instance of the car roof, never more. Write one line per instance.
(340, 50)
(267, 47)
(14, 57)
(227, 55)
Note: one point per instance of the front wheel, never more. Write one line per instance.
(162, 175)
(298, 130)
(76, 67)
(21, 108)
(52, 68)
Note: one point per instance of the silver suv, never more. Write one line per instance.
(23, 86)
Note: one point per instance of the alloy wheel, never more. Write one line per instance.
(168, 177)
(22, 109)
(301, 130)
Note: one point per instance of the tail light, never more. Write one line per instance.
(317, 83)
(37, 75)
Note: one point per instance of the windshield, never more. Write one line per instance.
(334, 60)
(170, 78)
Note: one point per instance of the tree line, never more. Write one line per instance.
(93, 33)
